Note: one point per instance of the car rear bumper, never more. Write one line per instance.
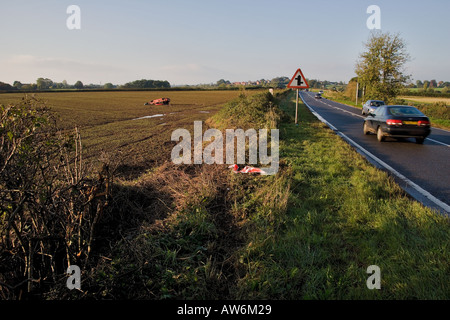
(407, 132)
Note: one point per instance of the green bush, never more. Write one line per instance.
(256, 111)
(437, 110)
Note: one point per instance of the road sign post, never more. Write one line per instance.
(298, 81)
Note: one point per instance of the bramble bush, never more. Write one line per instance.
(48, 205)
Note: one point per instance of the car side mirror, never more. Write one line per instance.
(371, 114)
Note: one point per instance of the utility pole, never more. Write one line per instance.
(357, 88)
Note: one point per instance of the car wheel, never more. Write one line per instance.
(380, 135)
(420, 140)
(366, 129)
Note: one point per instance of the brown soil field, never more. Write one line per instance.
(118, 125)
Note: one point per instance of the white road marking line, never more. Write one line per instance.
(435, 141)
(408, 182)
(361, 116)
(444, 144)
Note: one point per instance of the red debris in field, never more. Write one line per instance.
(159, 102)
(246, 169)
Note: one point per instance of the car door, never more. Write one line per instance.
(373, 118)
(378, 117)
(365, 109)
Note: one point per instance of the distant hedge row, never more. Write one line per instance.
(147, 84)
(426, 93)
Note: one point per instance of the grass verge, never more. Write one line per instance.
(342, 216)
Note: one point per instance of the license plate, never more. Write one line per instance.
(410, 122)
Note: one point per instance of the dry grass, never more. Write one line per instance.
(426, 99)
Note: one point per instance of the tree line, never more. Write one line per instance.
(432, 84)
(48, 84)
(147, 84)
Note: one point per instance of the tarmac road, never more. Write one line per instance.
(423, 171)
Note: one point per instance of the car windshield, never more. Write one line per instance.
(377, 103)
(405, 111)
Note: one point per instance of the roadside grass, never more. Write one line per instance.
(339, 97)
(173, 247)
(437, 109)
(342, 216)
(256, 111)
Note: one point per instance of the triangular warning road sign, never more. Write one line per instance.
(298, 81)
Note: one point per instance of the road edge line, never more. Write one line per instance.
(414, 190)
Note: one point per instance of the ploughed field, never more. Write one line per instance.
(118, 125)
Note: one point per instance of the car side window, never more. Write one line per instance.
(378, 112)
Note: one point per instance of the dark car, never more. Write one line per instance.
(371, 105)
(318, 96)
(397, 122)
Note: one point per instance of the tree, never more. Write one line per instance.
(433, 84)
(6, 86)
(29, 86)
(279, 82)
(419, 84)
(17, 84)
(78, 85)
(312, 83)
(223, 83)
(108, 85)
(381, 67)
(43, 83)
(350, 89)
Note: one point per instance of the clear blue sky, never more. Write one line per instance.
(202, 41)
